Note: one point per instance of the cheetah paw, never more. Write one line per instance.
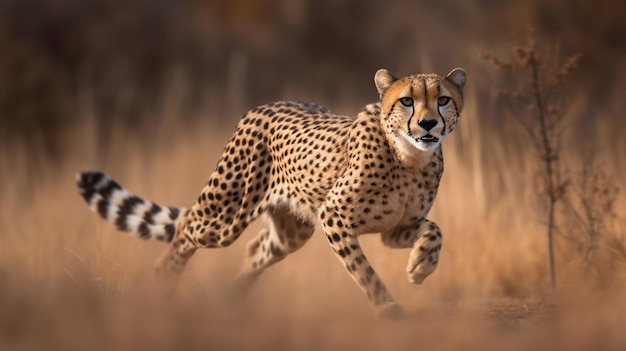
(419, 266)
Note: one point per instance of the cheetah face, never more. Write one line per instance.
(418, 111)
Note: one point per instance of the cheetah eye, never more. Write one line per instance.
(443, 100)
(406, 101)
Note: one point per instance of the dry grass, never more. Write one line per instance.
(69, 281)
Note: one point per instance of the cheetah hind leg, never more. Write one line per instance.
(172, 263)
(285, 235)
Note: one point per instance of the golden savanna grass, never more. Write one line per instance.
(68, 280)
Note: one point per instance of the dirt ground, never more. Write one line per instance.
(81, 320)
(309, 304)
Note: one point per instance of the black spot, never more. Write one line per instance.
(87, 183)
(276, 252)
(149, 216)
(174, 212)
(125, 209)
(144, 231)
(90, 178)
(103, 207)
(109, 188)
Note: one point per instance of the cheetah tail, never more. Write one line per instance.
(126, 211)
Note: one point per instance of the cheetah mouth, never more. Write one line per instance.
(428, 139)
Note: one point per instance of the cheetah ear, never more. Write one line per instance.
(383, 80)
(457, 77)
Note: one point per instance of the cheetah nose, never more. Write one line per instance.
(427, 124)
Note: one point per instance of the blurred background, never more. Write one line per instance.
(130, 58)
(150, 90)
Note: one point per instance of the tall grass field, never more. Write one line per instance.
(69, 281)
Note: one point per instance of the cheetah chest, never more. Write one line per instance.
(419, 200)
(393, 199)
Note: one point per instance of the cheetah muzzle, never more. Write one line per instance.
(302, 165)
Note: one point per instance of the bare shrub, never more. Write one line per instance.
(589, 218)
(538, 102)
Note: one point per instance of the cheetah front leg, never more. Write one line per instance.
(349, 252)
(425, 240)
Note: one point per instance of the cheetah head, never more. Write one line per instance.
(418, 111)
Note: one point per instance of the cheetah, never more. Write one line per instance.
(299, 164)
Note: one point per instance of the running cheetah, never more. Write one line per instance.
(300, 164)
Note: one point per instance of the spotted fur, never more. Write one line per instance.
(300, 164)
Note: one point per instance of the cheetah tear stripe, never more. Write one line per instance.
(126, 211)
